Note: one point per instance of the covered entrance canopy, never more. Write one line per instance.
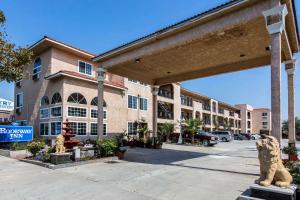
(238, 35)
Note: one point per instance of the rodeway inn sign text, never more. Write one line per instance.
(16, 133)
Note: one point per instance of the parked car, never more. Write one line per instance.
(207, 139)
(255, 136)
(224, 136)
(247, 135)
(238, 136)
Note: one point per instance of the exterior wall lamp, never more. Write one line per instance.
(101, 74)
(275, 19)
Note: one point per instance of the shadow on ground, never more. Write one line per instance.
(160, 156)
(173, 157)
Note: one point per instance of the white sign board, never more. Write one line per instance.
(6, 105)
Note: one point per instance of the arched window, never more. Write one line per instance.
(94, 102)
(77, 98)
(56, 98)
(37, 66)
(44, 101)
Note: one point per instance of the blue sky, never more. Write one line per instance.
(98, 26)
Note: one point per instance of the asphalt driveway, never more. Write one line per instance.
(174, 172)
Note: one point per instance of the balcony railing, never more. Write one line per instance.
(206, 107)
(165, 93)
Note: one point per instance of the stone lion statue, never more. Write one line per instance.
(271, 168)
(59, 144)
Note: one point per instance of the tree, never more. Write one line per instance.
(285, 125)
(192, 126)
(12, 58)
(166, 130)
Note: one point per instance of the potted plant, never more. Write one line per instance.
(291, 151)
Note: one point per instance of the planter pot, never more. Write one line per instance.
(293, 157)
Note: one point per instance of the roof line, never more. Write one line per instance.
(62, 73)
(176, 25)
(199, 94)
(60, 43)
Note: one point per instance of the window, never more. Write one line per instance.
(143, 104)
(264, 114)
(37, 66)
(44, 101)
(19, 99)
(44, 129)
(248, 115)
(248, 124)
(77, 98)
(94, 102)
(78, 128)
(132, 128)
(132, 102)
(94, 114)
(264, 123)
(56, 112)
(85, 68)
(44, 113)
(56, 98)
(55, 128)
(77, 112)
(94, 129)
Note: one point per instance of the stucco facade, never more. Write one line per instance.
(66, 88)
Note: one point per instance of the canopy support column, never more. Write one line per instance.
(290, 70)
(275, 21)
(155, 90)
(100, 79)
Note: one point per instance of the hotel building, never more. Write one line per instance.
(61, 84)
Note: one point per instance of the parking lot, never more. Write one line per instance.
(174, 172)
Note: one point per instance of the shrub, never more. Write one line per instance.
(289, 150)
(18, 146)
(35, 146)
(294, 169)
(107, 147)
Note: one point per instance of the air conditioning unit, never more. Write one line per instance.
(36, 77)
(18, 84)
(18, 111)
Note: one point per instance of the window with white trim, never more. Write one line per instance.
(44, 113)
(37, 66)
(94, 129)
(143, 103)
(132, 128)
(56, 111)
(44, 128)
(78, 128)
(85, 68)
(94, 114)
(19, 100)
(55, 128)
(132, 102)
(77, 112)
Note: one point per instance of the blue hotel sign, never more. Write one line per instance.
(16, 133)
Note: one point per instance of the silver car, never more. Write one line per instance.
(224, 136)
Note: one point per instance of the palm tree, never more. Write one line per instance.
(192, 126)
(166, 130)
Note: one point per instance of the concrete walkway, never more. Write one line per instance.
(175, 172)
